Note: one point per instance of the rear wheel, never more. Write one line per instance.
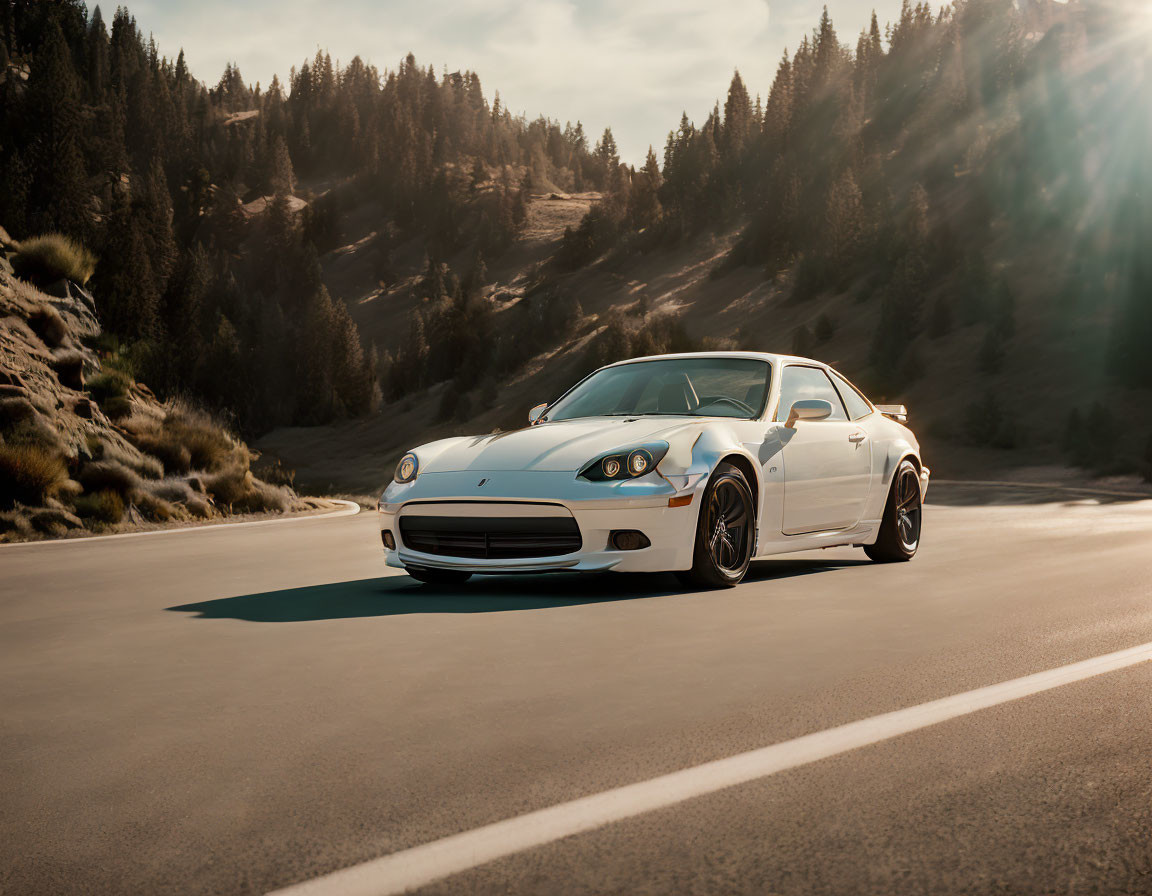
(725, 532)
(430, 576)
(899, 536)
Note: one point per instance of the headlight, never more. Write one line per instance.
(628, 463)
(407, 469)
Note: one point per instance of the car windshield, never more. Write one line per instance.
(692, 387)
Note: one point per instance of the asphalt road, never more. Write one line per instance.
(236, 710)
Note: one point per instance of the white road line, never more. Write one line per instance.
(411, 868)
(350, 508)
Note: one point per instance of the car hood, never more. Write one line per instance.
(549, 447)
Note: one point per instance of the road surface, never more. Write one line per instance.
(241, 710)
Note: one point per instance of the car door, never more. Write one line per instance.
(827, 463)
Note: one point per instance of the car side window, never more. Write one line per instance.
(857, 405)
(798, 383)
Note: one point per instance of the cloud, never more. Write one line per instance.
(633, 66)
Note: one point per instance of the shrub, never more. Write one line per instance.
(209, 446)
(174, 491)
(47, 323)
(29, 474)
(51, 257)
(108, 475)
(118, 407)
(109, 383)
(229, 486)
(263, 498)
(103, 506)
(174, 456)
(113, 451)
(154, 508)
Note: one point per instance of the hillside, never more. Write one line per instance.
(952, 213)
(954, 209)
(84, 447)
(743, 310)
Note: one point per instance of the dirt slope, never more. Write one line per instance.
(1046, 371)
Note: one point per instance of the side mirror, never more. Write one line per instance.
(809, 409)
(534, 414)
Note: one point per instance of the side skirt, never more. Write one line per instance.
(862, 533)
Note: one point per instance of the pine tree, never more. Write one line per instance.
(58, 191)
(737, 120)
(282, 179)
(609, 159)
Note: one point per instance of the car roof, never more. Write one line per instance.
(759, 356)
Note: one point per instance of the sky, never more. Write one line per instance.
(634, 65)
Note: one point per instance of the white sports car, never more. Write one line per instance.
(695, 464)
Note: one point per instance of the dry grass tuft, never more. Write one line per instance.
(109, 475)
(155, 508)
(172, 490)
(103, 506)
(108, 384)
(208, 445)
(120, 453)
(199, 507)
(29, 474)
(51, 257)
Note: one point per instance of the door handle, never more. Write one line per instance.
(857, 437)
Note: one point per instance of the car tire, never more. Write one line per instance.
(899, 536)
(430, 576)
(721, 553)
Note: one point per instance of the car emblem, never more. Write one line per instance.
(481, 483)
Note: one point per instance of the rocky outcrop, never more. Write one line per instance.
(84, 446)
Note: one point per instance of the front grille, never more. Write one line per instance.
(491, 538)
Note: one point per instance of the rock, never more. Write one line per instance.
(84, 408)
(13, 391)
(15, 409)
(58, 288)
(11, 378)
(83, 296)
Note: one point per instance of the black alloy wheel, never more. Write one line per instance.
(899, 536)
(725, 532)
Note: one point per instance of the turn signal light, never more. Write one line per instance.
(680, 501)
(389, 541)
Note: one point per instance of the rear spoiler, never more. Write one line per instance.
(897, 412)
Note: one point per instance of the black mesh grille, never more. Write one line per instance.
(491, 538)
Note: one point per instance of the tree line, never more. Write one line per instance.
(195, 198)
(916, 169)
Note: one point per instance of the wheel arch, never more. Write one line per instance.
(751, 473)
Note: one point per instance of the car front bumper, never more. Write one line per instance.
(598, 508)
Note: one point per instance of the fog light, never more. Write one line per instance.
(389, 541)
(628, 540)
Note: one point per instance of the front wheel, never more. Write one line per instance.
(430, 576)
(725, 532)
(899, 535)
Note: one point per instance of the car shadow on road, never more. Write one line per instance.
(401, 595)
